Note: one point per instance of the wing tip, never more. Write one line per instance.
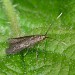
(9, 51)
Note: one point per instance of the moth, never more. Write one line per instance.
(20, 43)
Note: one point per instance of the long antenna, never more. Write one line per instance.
(51, 23)
(47, 30)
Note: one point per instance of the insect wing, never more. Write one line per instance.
(17, 47)
(18, 39)
(18, 44)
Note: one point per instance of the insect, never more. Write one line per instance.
(20, 43)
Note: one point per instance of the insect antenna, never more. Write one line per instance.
(47, 30)
(51, 24)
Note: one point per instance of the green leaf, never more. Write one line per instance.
(52, 56)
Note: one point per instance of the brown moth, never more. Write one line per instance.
(20, 43)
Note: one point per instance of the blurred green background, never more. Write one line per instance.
(53, 56)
